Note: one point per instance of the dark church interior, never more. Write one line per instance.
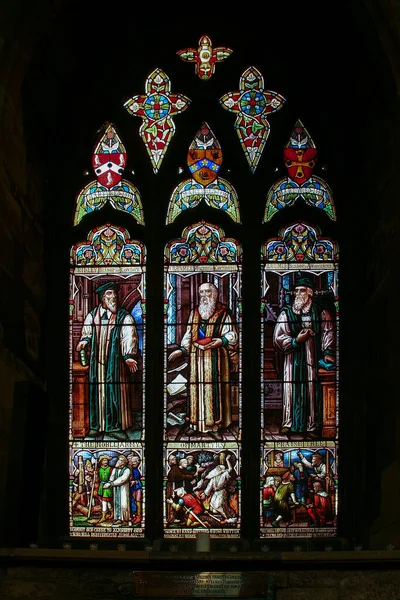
(66, 68)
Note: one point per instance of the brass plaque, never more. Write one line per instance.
(207, 584)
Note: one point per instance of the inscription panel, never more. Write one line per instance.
(207, 584)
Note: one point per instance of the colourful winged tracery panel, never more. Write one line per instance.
(204, 160)
(205, 57)
(109, 161)
(107, 393)
(299, 383)
(203, 379)
(156, 108)
(252, 104)
(300, 155)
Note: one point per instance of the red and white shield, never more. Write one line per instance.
(109, 167)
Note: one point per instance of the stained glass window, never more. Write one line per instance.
(300, 155)
(203, 379)
(156, 108)
(204, 161)
(299, 383)
(107, 354)
(252, 104)
(200, 364)
(205, 57)
(109, 160)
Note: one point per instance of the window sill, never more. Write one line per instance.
(250, 560)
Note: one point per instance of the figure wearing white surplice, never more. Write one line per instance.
(119, 482)
(110, 332)
(220, 485)
(305, 334)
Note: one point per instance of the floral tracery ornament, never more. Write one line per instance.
(252, 104)
(157, 107)
(203, 243)
(109, 161)
(300, 156)
(108, 245)
(205, 57)
(300, 242)
(204, 160)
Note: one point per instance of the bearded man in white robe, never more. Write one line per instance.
(219, 481)
(305, 334)
(211, 343)
(120, 484)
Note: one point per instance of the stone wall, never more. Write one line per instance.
(113, 582)
(22, 276)
(381, 165)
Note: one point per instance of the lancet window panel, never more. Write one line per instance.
(202, 383)
(299, 382)
(107, 343)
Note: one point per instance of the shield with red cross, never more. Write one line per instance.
(300, 163)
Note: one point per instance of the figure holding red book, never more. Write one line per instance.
(211, 343)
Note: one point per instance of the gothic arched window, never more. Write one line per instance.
(184, 272)
(107, 342)
(203, 381)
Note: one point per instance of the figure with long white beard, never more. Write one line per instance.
(110, 332)
(305, 334)
(210, 343)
